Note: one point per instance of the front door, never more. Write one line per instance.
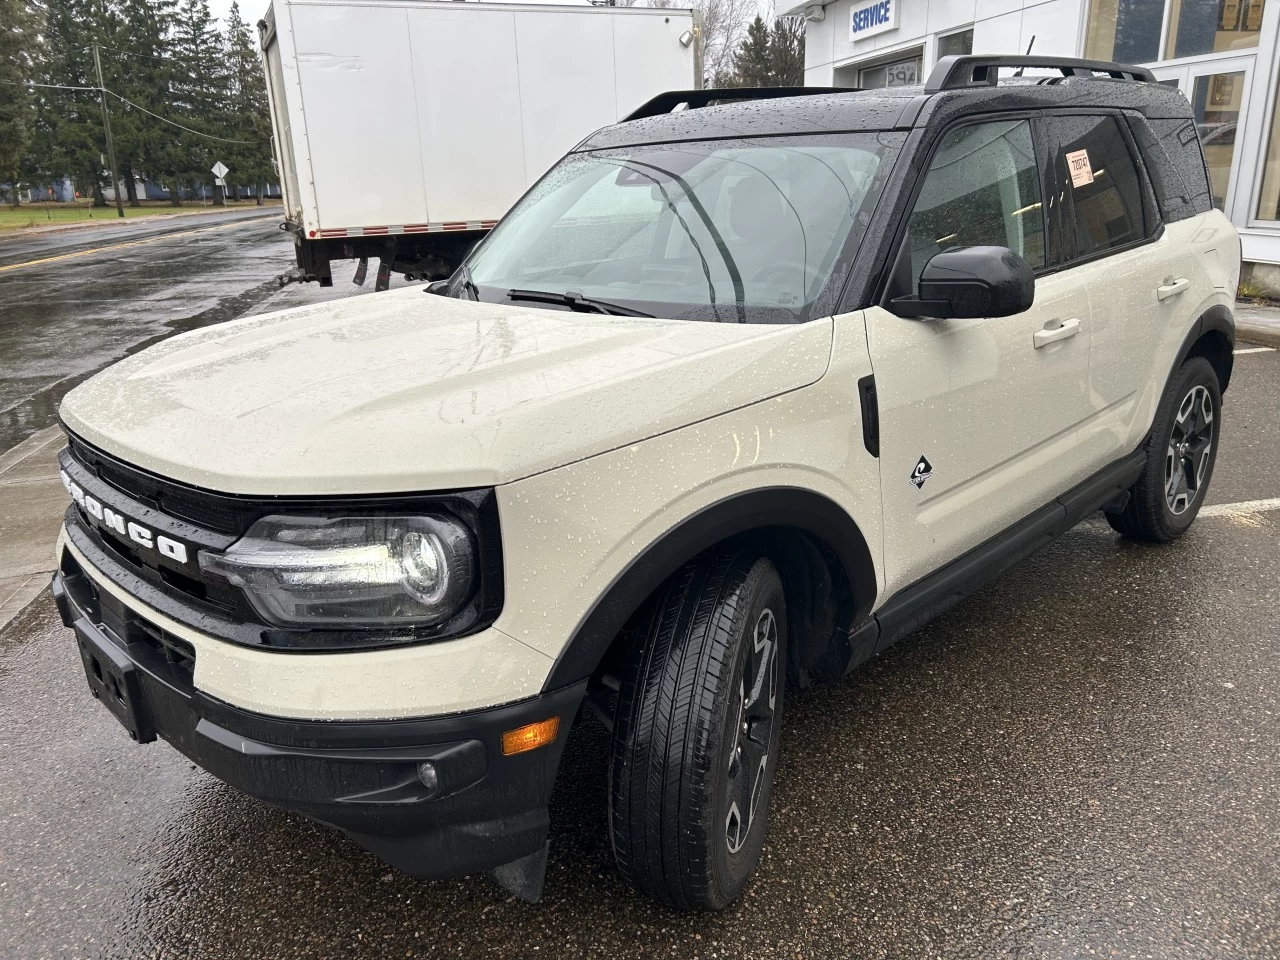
(978, 417)
(1218, 91)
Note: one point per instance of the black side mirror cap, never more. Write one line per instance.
(971, 282)
(439, 287)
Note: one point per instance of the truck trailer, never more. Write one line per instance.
(404, 129)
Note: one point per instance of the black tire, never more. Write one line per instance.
(1157, 512)
(677, 737)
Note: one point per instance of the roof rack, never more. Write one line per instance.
(691, 99)
(958, 72)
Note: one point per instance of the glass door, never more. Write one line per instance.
(1218, 90)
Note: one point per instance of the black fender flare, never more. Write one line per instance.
(795, 507)
(1217, 319)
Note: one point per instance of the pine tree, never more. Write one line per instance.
(136, 69)
(197, 98)
(67, 139)
(250, 162)
(19, 28)
(786, 52)
(751, 62)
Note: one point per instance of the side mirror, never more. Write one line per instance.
(971, 282)
(437, 287)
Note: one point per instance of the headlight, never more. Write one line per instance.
(376, 571)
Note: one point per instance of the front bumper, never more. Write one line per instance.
(358, 776)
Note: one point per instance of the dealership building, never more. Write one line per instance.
(1223, 54)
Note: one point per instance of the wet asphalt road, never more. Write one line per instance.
(65, 318)
(1082, 760)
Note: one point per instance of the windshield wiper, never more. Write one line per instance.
(576, 302)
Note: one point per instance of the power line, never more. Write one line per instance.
(47, 86)
(198, 133)
(172, 123)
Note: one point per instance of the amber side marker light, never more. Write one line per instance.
(530, 736)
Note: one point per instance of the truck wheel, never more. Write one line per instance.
(697, 733)
(1180, 455)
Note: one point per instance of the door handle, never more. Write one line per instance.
(1171, 288)
(1068, 328)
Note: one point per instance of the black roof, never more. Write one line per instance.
(895, 108)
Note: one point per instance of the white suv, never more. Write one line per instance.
(735, 397)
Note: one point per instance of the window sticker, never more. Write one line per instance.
(1078, 164)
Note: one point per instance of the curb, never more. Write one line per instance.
(1263, 335)
(37, 441)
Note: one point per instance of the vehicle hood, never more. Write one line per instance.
(403, 391)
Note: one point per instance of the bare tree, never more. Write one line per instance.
(724, 23)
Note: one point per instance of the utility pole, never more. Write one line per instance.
(106, 126)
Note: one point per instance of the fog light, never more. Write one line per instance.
(427, 776)
(530, 736)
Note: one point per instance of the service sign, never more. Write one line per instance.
(870, 17)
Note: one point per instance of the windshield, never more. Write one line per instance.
(730, 230)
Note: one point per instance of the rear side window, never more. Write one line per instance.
(1173, 194)
(1182, 146)
(1097, 194)
(982, 188)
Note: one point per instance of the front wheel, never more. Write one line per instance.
(1181, 452)
(696, 739)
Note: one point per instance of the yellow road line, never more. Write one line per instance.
(130, 243)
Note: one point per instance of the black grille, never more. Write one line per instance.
(223, 514)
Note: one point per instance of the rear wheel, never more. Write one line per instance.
(698, 728)
(1181, 453)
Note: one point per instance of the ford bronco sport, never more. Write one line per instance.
(736, 396)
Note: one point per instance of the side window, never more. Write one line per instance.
(1182, 145)
(1173, 195)
(1099, 193)
(983, 188)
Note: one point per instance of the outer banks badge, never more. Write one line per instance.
(922, 472)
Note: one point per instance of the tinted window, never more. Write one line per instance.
(982, 188)
(1171, 152)
(1097, 201)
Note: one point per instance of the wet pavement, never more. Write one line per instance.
(70, 313)
(1082, 760)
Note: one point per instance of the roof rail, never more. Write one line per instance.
(667, 102)
(958, 72)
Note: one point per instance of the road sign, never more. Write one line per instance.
(219, 181)
(219, 169)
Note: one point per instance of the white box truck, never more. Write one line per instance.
(405, 128)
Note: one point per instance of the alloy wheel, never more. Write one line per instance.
(1186, 460)
(753, 731)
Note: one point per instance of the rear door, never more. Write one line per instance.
(978, 417)
(1137, 274)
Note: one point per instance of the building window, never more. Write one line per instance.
(1212, 26)
(1216, 101)
(1269, 199)
(956, 44)
(1127, 31)
(900, 73)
